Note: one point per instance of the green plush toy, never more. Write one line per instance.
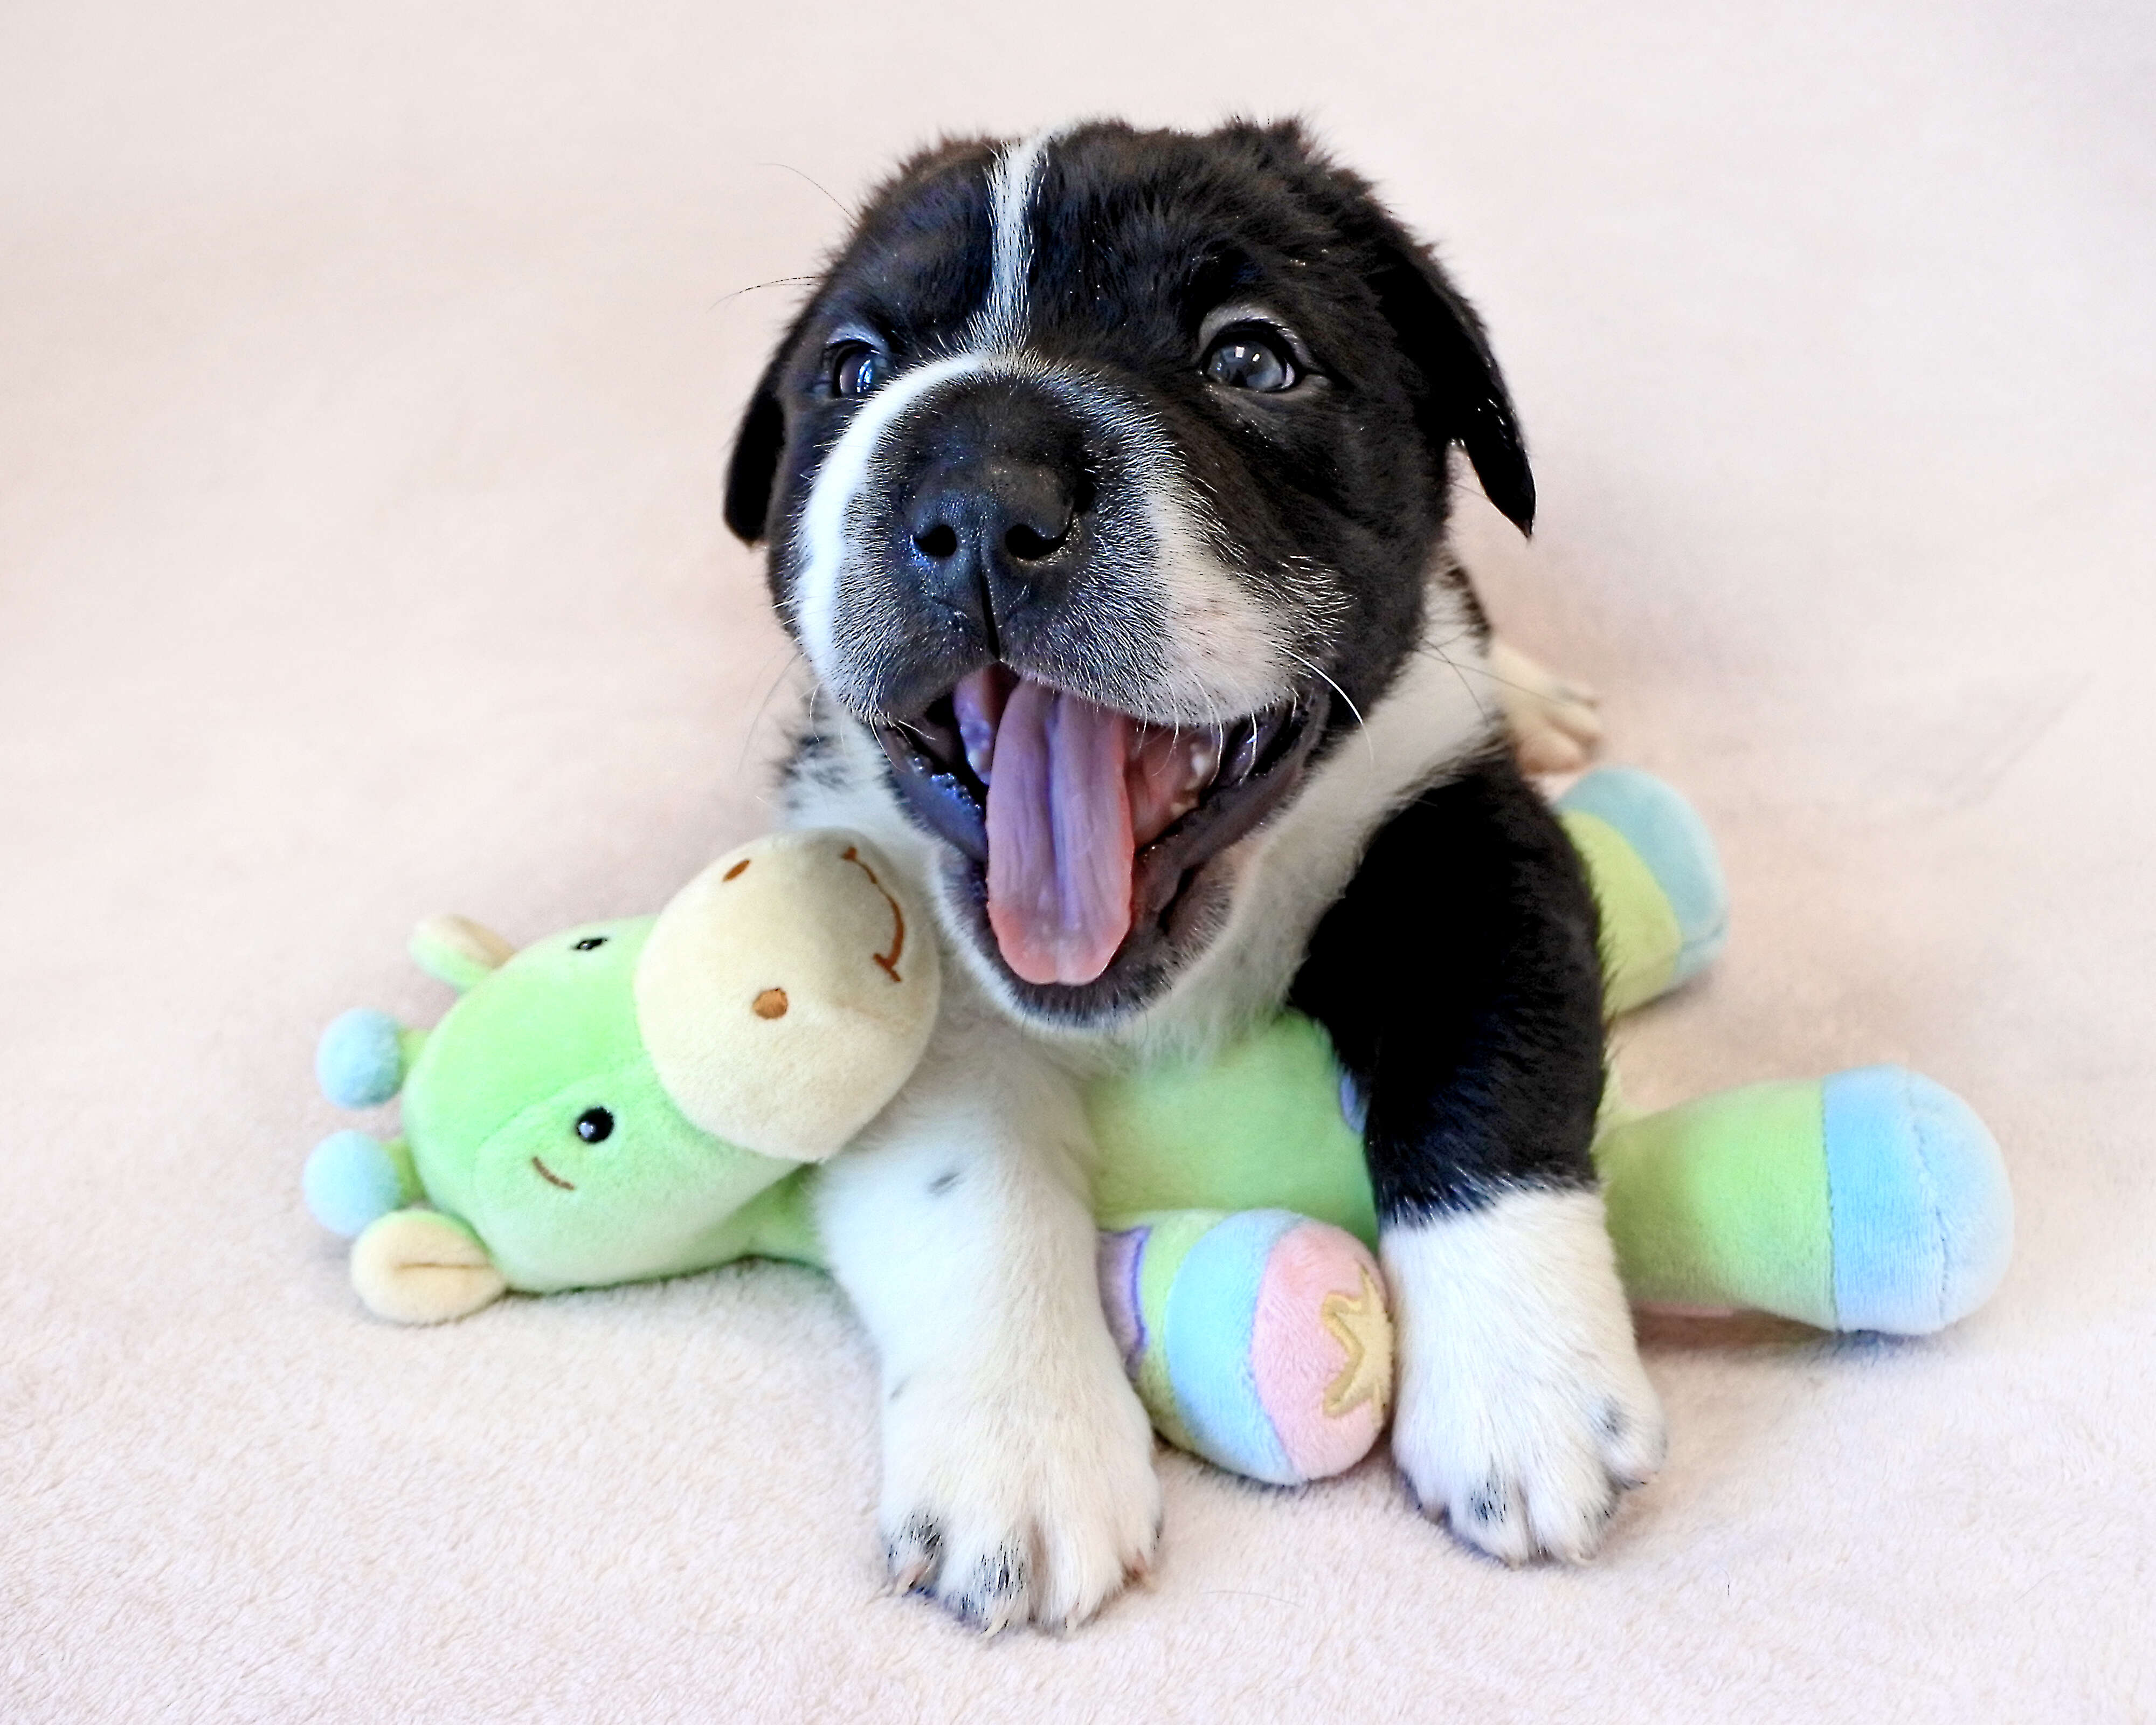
(648, 1097)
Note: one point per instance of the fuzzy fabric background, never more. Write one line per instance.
(366, 374)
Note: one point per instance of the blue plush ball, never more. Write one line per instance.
(360, 1060)
(350, 1180)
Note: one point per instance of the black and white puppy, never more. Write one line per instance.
(1105, 481)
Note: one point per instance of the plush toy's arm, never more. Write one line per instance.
(1873, 1199)
(1258, 1339)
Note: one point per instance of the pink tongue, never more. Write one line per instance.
(1060, 835)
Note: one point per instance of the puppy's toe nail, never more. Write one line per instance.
(905, 1576)
(910, 1554)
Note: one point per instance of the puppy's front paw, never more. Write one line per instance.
(1524, 1412)
(1021, 1495)
(1554, 724)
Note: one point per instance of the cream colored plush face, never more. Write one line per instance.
(786, 993)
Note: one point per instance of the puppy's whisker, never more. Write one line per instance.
(1460, 672)
(1498, 678)
(1361, 724)
(758, 286)
(792, 658)
(844, 209)
(1458, 634)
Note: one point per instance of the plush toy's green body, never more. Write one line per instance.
(556, 1153)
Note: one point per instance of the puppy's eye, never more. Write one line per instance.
(1249, 356)
(856, 368)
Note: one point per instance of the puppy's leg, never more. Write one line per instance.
(1018, 1476)
(1554, 724)
(1459, 978)
(1523, 1410)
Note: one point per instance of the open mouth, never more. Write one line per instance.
(1087, 825)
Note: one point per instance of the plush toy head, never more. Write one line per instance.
(597, 1107)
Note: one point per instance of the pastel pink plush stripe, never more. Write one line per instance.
(1295, 1358)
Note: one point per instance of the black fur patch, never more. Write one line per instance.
(1459, 978)
(1333, 495)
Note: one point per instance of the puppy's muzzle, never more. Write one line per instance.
(1009, 641)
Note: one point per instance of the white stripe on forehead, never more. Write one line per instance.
(999, 325)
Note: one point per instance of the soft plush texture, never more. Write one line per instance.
(1871, 1199)
(613, 1102)
(786, 992)
(368, 375)
(556, 1120)
(1687, 913)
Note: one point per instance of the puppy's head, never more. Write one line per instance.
(1102, 475)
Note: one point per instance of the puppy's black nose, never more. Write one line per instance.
(987, 518)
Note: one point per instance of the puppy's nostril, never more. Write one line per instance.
(938, 542)
(1028, 545)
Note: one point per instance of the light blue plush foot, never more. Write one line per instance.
(351, 1180)
(1922, 1218)
(1666, 833)
(360, 1060)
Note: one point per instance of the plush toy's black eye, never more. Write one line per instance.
(595, 1126)
(856, 368)
(1252, 356)
(588, 942)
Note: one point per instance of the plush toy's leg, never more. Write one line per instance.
(1258, 1339)
(1656, 876)
(419, 1266)
(1872, 1200)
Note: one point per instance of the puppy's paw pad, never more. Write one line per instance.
(1005, 1518)
(1528, 1477)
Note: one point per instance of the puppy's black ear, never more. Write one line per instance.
(1463, 400)
(753, 471)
